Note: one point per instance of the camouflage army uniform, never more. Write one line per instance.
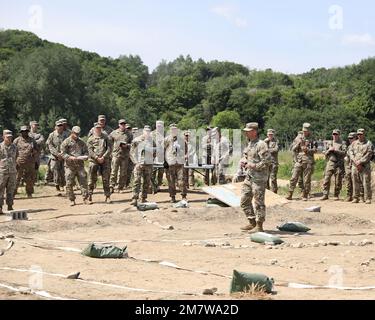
(75, 169)
(335, 167)
(349, 176)
(8, 173)
(157, 175)
(304, 164)
(106, 130)
(254, 186)
(273, 147)
(120, 158)
(27, 149)
(361, 152)
(206, 152)
(39, 139)
(175, 157)
(99, 147)
(142, 155)
(222, 149)
(54, 143)
(131, 165)
(190, 155)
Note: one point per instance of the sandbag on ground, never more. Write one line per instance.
(242, 282)
(104, 252)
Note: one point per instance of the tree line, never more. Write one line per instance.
(45, 81)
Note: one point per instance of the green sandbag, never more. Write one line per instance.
(104, 252)
(242, 282)
(294, 227)
(148, 206)
(262, 237)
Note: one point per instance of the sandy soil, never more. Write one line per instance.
(54, 228)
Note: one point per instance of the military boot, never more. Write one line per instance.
(173, 199)
(336, 198)
(1, 210)
(10, 207)
(324, 198)
(134, 202)
(144, 200)
(90, 200)
(362, 199)
(72, 203)
(368, 201)
(259, 226)
(252, 224)
(305, 196)
(355, 200)
(289, 196)
(29, 196)
(108, 200)
(349, 199)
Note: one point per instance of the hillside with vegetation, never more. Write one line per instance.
(46, 81)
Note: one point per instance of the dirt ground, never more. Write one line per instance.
(202, 239)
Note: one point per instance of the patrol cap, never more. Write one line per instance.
(7, 133)
(270, 131)
(24, 129)
(128, 126)
(33, 123)
(208, 128)
(336, 131)
(173, 126)
(97, 125)
(122, 121)
(147, 128)
(361, 131)
(187, 133)
(63, 121)
(306, 126)
(135, 129)
(58, 123)
(352, 135)
(102, 117)
(76, 130)
(159, 122)
(251, 126)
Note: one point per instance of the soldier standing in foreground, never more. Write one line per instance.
(39, 139)
(75, 153)
(142, 153)
(27, 150)
(305, 149)
(174, 146)
(99, 148)
(361, 154)
(8, 171)
(121, 139)
(273, 147)
(335, 153)
(256, 160)
(54, 142)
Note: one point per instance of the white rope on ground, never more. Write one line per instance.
(308, 286)
(42, 294)
(101, 283)
(132, 241)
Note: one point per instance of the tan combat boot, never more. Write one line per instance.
(72, 203)
(305, 196)
(324, 198)
(144, 200)
(252, 224)
(368, 201)
(348, 199)
(90, 200)
(355, 200)
(173, 199)
(289, 196)
(10, 208)
(1, 210)
(108, 200)
(259, 226)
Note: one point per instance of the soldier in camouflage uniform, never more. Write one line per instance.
(142, 153)
(75, 153)
(54, 142)
(305, 149)
(222, 149)
(8, 171)
(27, 150)
(67, 131)
(361, 154)
(352, 137)
(158, 136)
(102, 119)
(99, 148)
(174, 147)
(335, 153)
(295, 155)
(273, 147)
(256, 160)
(190, 159)
(39, 139)
(121, 139)
(206, 152)
(134, 133)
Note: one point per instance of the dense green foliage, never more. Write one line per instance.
(46, 81)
